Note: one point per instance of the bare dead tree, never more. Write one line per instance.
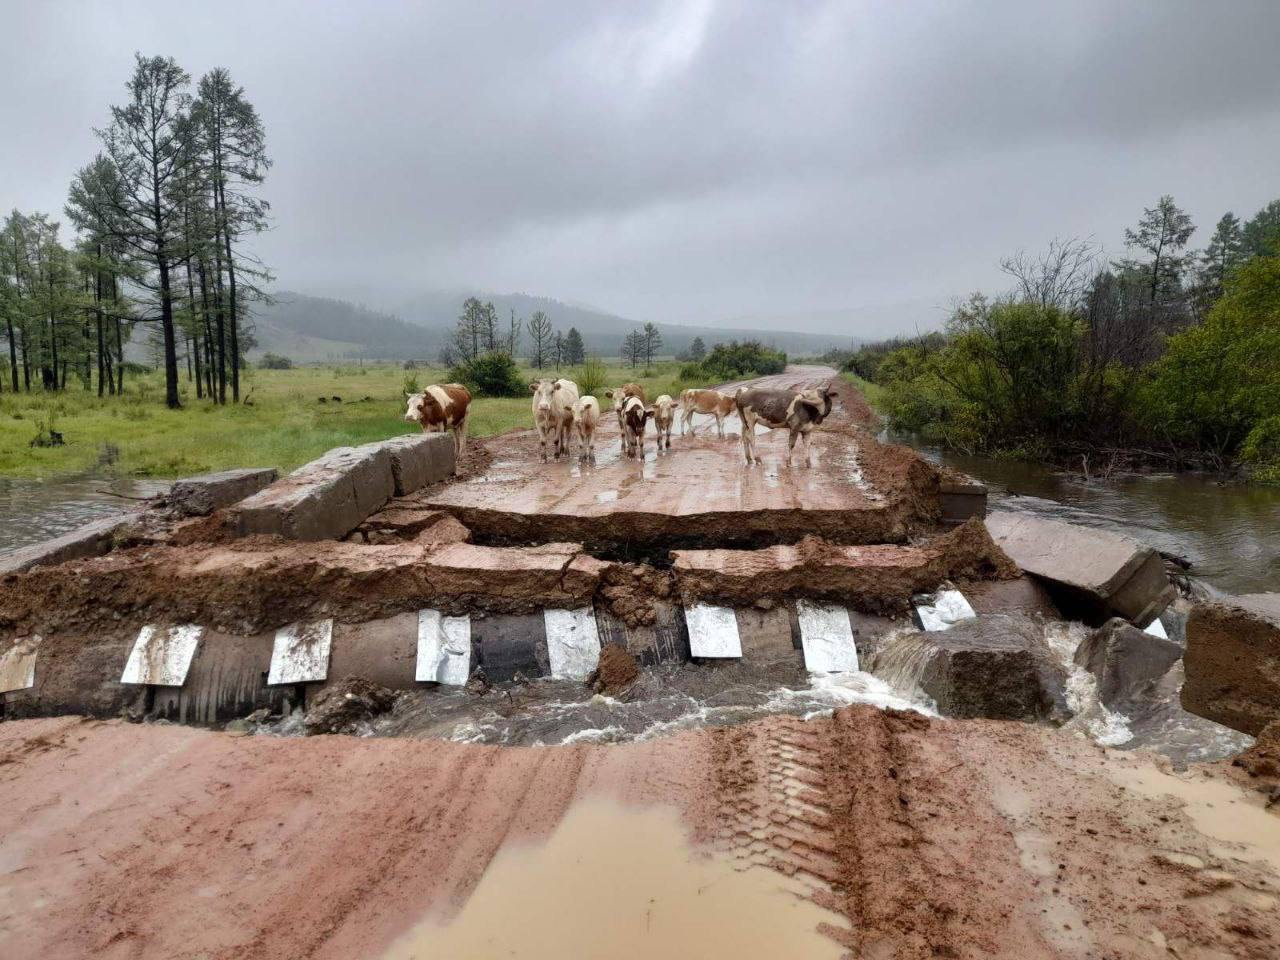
(1058, 277)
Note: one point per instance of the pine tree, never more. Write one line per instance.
(575, 349)
(697, 350)
(1162, 232)
(540, 335)
(652, 340)
(1225, 252)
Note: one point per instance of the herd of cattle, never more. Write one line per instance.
(561, 416)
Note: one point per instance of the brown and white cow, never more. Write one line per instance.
(634, 416)
(442, 406)
(664, 416)
(619, 397)
(710, 403)
(799, 413)
(586, 417)
(553, 402)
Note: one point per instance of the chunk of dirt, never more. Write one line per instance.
(342, 707)
(630, 592)
(1262, 760)
(617, 670)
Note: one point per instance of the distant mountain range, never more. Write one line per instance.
(307, 328)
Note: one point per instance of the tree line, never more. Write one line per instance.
(160, 215)
(1167, 353)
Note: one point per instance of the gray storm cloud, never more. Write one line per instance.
(683, 161)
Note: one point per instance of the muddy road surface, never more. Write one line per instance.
(885, 834)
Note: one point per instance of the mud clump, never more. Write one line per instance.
(617, 670)
(630, 591)
(1262, 760)
(342, 707)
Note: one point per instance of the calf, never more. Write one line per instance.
(799, 413)
(619, 397)
(553, 402)
(634, 417)
(442, 407)
(586, 417)
(709, 402)
(664, 416)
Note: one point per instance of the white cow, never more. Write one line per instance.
(664, 417)
(586, 417)
(553, 402)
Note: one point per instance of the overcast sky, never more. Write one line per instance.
(684, 161)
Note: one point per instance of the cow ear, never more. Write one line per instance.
(533, 385)
(555, 386)
(609, 394)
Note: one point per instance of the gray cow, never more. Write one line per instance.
(798, 412)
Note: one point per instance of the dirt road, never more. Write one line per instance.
(927, 839)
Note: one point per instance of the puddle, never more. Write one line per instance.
(1237, 819)
(624, 883)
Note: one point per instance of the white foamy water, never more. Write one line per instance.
(1089, 715)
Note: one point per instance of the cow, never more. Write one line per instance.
(709, 402)
(619, 397)
(634, 416)
(553, 402)
(440, 407)
(586, 417)
(799, 413)
(664, 416)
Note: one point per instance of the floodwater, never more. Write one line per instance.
(36, 510)
(624, 882)
(1228, 530)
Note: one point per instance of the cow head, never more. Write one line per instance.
(414, 412)
(542, 391)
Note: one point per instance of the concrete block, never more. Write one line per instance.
(199, 496)
(1127, 662)
(1025, 596)
(325, 499)
(1105, 573)
(961, 498)
(419, 460)
(91, 540)
(1233, 662)
(997, 667)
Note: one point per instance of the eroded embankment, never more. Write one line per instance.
(929, 838)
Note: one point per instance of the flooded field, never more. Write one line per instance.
(36, 510)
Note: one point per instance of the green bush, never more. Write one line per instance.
(734, 361)
(492, 374)
(275, 361)
(590, 377)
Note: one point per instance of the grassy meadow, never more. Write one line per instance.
(283, 424)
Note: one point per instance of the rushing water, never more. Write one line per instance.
(1228, 530)
(35, 510)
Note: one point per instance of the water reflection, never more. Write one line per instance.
(35, 510)
(1228, 530)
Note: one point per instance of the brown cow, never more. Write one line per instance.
(634, 417)
(619, 397)
(664, 415)
(797, 412)
(442, 407)
(709, 402)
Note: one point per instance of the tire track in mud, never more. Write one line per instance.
(861, 813)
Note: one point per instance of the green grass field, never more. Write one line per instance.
(284, 425)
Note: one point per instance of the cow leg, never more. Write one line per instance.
(791, 444)
(542, 440)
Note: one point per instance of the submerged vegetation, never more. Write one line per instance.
(1170, 357)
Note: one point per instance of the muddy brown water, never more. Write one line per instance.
(635, 888)
(1230, 531)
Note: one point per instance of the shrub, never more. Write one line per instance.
(590, 377)
(492, 374)
(410, 383)
(275, 361)
(733, 361)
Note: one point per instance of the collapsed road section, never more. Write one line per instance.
(684, 602)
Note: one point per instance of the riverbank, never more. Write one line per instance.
(288, 418)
